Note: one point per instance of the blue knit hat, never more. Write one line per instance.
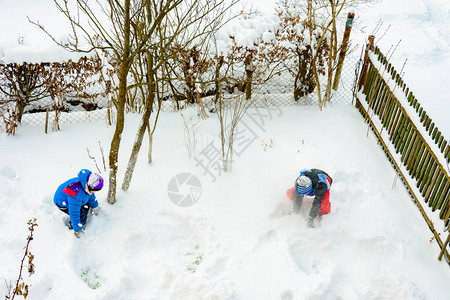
(304, 185)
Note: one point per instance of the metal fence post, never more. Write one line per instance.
(348, 29)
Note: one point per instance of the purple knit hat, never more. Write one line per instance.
(95, 182)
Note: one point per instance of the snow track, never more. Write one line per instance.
(241, 239)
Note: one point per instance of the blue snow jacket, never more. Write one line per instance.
(72, 195)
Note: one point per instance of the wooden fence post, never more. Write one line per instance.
(46, 120)
(348, 29)
(444, 246)
(409, 145)
(369, 46)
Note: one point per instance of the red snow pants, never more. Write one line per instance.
(325, 207)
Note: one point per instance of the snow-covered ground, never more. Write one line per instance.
(240, 240)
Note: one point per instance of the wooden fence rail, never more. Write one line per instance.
(410, 139)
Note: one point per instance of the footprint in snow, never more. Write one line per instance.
(306, 252)
(287, 295)
(266, 238)
(8, 172)
(218, 267)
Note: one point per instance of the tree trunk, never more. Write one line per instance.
(327, 96)
(216, 80)
(135, 152)
(332, 54)
(120, 106)
(150, 146)
(20, 109)
(114, 151)
(304, 82)
(249, 77)
(142, 127)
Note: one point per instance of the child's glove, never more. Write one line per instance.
(95, 210)
(78, 233)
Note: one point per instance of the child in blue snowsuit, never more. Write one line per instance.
(76, 196)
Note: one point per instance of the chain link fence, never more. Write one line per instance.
(278, 91)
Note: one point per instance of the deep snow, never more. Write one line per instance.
(247, 244)
(240, 240)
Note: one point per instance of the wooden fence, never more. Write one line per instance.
(409, 137)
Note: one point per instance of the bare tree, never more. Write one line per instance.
(190, 23)
(116, 28)
(319, 38)
(230, 107)
(230, 111)
(191, 127)
(20, 287)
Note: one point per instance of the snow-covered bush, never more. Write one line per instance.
(253, 49)
(298, 48)
(67, 85)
